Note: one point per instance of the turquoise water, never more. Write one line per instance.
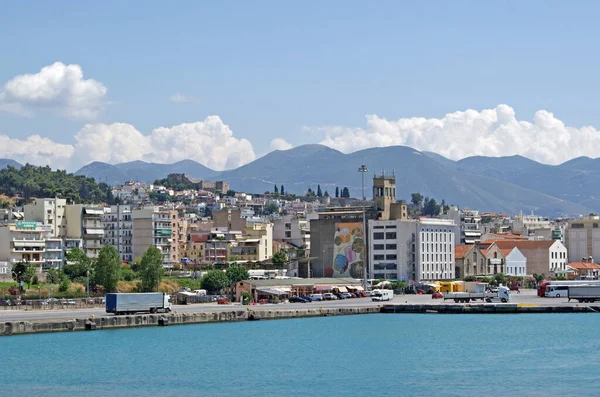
(375, 355)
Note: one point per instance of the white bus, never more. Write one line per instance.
(557, 291)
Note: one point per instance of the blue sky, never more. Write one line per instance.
(311, 71)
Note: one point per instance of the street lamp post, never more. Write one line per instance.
(363, 169)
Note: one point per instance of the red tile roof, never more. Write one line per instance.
(460, 251)
(584, 265)
(524, 244)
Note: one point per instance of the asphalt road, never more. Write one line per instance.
(525, 297)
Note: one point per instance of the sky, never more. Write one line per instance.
(224, 83)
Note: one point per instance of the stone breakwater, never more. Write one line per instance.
(149, 320)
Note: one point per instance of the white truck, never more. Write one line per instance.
(584, 293)
(379, 295)
(503, 295)
(151, 302)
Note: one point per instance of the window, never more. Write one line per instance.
(390, 246)
(378, 236)
(390, 235)
(378, 247)
(378, 257)
(390, 257)
(390, 227)
(378, 227)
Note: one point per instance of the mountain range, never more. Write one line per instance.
(502, 184)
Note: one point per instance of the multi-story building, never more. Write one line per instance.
(157, 227)
(118, 230)
(542, 256)
(583, 239)
(407, 250)
(470, 228)
(48, 211)
(85, 222)
(263, 232)
(229, 218)
(24, 241)
(292, 229)
(532, 225)
(54, 257)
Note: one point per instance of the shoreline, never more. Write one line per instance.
(105, 322)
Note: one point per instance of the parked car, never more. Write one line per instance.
(317, 297)
(329, 296)
(437, 295)
(223, 301)
(346, 295)
(298, 299)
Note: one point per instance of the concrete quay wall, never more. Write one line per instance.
(148, 320)
(487, 308)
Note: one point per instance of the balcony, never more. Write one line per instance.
(29, 243)
(34, 250)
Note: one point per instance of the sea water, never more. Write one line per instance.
(362, 355)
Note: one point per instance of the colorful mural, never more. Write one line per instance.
(348, 251)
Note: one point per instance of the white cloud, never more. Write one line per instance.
(210, 142)
(280, 144)
(57, 87)
(490, 132)
(36, 150)
(182, 98)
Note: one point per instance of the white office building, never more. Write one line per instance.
(118, 230)
(408, 250)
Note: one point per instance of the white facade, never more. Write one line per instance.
(412, 250)
(516, 263)
(118, 230)
(559, 258)
(24, 241)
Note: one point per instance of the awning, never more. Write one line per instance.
(342, 289)
(356, 287)
(271, 291)
(322, 287)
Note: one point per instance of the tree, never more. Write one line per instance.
(416, 199)
(345, 192)
(19, 270)
(108, 268)
(275, 190)
(215, 281)
(499, 279)
(337, 192)
(270, 208)
(279, 258)
(430, 207)
(236, 273)
(230, 193)
(281, 190)
(151, 270)
(309, 192)
(319, 192)
(326, 194)
(538, 278)
(78, 264)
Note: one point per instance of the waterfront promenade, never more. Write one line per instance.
(526, 297)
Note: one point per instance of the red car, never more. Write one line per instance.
(437, 295)
(223, 301)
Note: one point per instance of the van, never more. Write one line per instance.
(316, 297)
(382, 295)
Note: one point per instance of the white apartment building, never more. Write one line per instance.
(416, 250)
(470, 229)
(118, 230)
